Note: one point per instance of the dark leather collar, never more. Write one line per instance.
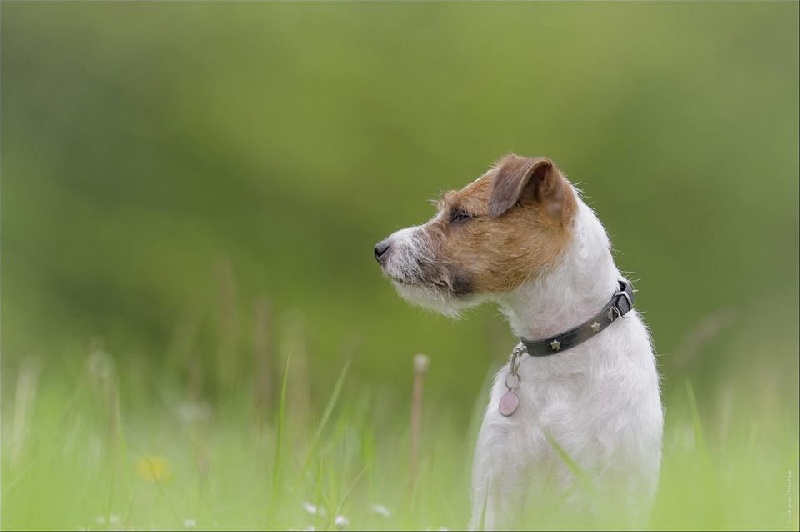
(621, 303)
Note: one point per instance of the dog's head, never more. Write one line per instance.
(488, 238)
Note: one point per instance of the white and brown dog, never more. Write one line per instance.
(576, 414)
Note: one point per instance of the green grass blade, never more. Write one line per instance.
(337, 389)
(572, 465)
(279, 433)
(696, 423)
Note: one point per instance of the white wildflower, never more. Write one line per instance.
(189, 523)
(341, 521)
(381, 510)
(421, 362)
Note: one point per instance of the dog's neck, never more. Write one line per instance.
(571, 292)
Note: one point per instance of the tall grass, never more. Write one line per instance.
(89, 452)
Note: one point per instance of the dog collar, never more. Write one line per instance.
(621, 303)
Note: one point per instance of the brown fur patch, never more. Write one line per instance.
(521, 218)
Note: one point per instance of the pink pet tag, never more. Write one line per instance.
(509, 403)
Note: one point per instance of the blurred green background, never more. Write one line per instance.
(144, 143)
(168, 166)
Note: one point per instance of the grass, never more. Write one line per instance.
(95, 448)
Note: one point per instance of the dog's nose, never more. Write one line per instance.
(381, 248)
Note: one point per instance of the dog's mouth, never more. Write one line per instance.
(457, 288)
(432, 288)
(413, 273)
(405, 281)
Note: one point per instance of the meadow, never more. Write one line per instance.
(86, 449)
(195, 334)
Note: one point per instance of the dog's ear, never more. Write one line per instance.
(527, 180)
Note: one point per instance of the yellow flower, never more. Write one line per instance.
(153, 468)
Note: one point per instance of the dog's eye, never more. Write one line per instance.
(459, 216)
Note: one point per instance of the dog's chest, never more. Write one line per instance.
(564, 405)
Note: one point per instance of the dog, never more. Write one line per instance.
(575, 420)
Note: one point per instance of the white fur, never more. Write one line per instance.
(599, 402)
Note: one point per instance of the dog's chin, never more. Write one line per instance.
(434, 298)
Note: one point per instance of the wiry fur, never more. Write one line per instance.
(592, 412)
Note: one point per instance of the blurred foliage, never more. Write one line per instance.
(165, 165)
